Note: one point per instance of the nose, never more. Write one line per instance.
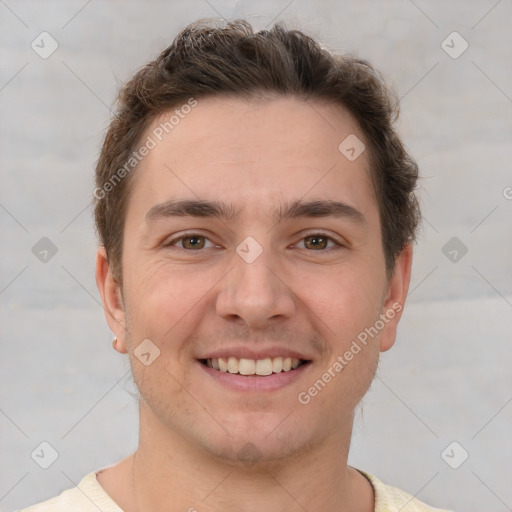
(255, 293)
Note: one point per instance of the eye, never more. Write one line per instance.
(319, 242)
(190, 241)
(194, 242)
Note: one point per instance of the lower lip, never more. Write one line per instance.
(256, 383)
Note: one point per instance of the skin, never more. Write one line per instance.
(189, 301)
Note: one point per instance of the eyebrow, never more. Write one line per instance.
(228, 211)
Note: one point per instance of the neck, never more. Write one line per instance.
(171, 474)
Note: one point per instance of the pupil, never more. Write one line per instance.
(319, 241)
(194, 241)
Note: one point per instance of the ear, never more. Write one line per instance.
(112, 301)
(394, 301)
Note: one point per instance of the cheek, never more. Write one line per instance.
(166, 306)
(348, 305)
(160, 295)
(347, 299)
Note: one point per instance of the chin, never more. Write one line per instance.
(262, 442)
(254, 455)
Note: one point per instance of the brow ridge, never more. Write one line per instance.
(228, 211)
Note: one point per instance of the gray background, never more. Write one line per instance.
(448, 376)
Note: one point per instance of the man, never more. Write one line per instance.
(256, 214)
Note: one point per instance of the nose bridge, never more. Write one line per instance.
(253, 291)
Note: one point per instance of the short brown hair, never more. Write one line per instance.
(210, 59)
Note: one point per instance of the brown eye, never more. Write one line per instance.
(317, 242)
(193, 242)
(320, 242)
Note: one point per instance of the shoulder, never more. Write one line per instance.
(392, 499)
(87, 496)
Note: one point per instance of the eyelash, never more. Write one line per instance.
(338, 245)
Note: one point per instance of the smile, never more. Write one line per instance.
(247, 367)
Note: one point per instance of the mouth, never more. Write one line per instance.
(254, 367)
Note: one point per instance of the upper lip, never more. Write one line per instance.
(252, 353)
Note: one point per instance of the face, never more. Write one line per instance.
(252, 242)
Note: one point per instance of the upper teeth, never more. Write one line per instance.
(253, 366)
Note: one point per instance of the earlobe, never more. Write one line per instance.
(394, 302)
(113, 306)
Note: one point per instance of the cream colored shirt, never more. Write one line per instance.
(89, 496)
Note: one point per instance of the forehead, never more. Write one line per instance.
(252, 153)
